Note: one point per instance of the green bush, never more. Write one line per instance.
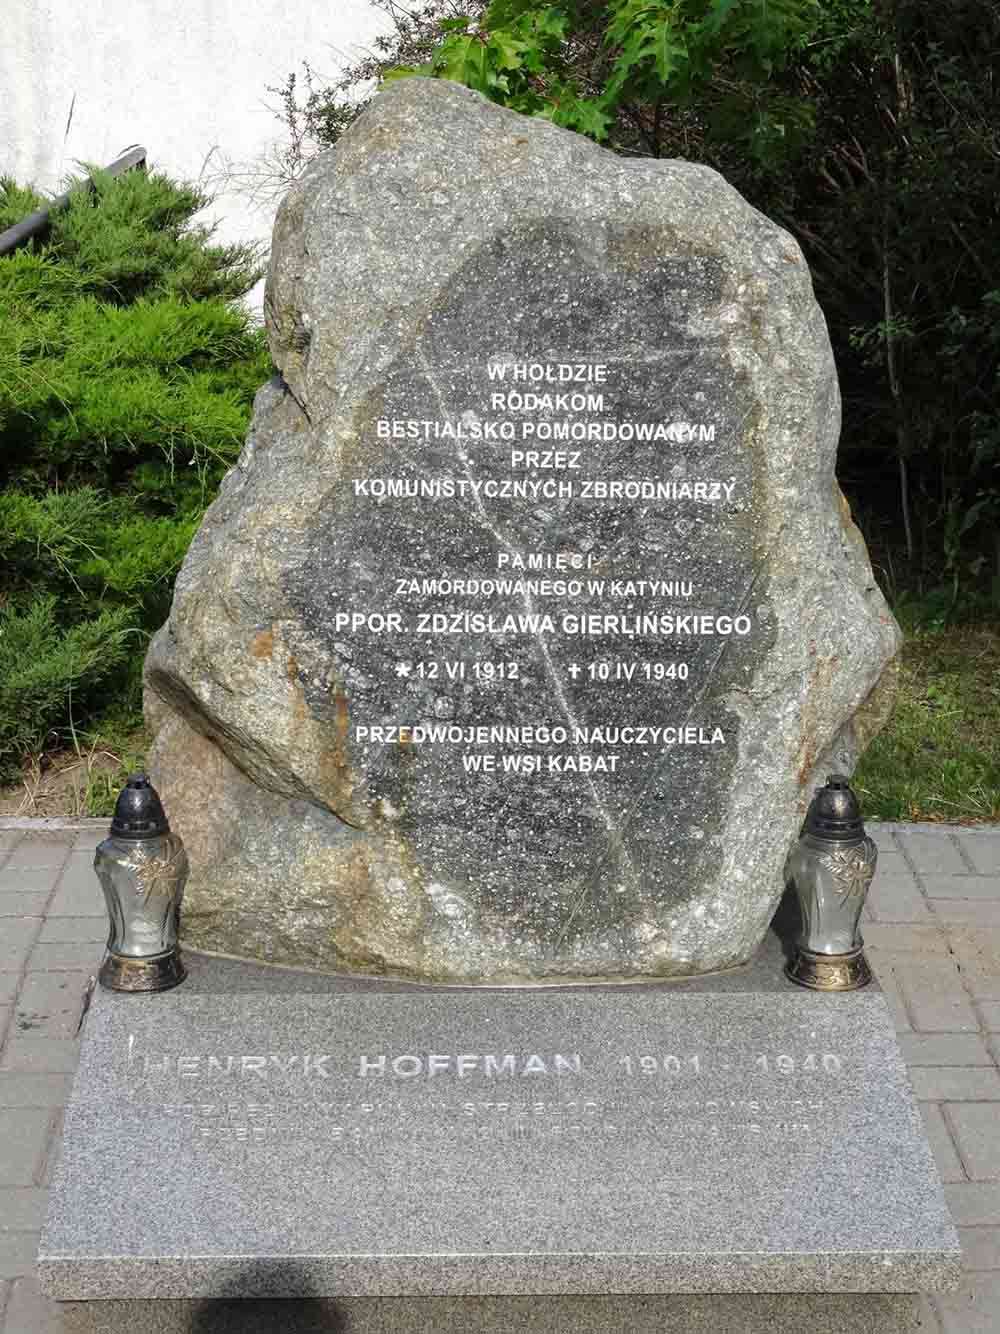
(127, 374)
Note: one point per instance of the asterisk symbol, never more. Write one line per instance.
(403, 669)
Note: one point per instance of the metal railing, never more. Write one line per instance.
(35, 223)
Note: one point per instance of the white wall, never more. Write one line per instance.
(186, 78)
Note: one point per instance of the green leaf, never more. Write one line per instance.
(668, 53)
(465, 60)
(550, 24)
(718, 14)
(651, 45)
(625, 67)
(508, 50)
(507, 13)
(455, 25)
(586, 116)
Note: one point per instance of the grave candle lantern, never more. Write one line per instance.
(831, 867)
(142, 868)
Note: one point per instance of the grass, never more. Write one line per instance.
(82, 780)
(939, 756)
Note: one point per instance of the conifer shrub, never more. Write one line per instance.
(127, 375)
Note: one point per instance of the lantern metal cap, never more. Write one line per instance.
(139, 812)
(834, 811)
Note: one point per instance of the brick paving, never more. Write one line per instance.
(933, 937)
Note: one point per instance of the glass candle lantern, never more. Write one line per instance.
(831, 867)
(142, 868)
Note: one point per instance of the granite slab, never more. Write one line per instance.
(368, 1143)
(748, 1313)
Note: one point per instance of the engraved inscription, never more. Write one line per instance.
(571, 597)
(408, 1066)
(700, 1107)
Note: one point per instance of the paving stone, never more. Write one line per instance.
(949, 1165)
(891, 857)
(4, 1295)
(936, 998)
(990, 1014)
(938, 1083)
(980, 1247)
(974, 1203)
(965, 887)
(87, 839)
(51, 1155)
(41, 880)
(889, 850)
(24, 1133)
(983, 850)
(927, 1321)
(904, 938)
(28, 1312)
(49, 1004)
(977, 951)
(975, 1128)
(883, 838)
(17, 1253)
(973, 1309)
(17, 935)
(885, 971)
(82, 859)
(892, 863)
(898, 898)
(933, 853)
(39, 850)
(966, 912)
(20, 1090)
(74, 929)
(5, 1015)
(61, 956)
(16, 904)
(944, 1049)
(79, 893)
(40, 1056)
(22, 1208)
(8, 987)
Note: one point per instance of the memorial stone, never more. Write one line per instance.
(518, 638)
(510, 651)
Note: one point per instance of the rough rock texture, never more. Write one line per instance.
(443, 243)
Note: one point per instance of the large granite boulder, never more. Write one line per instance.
(531, 614)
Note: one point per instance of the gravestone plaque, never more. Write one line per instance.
(366, 1144)
(517, 640)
